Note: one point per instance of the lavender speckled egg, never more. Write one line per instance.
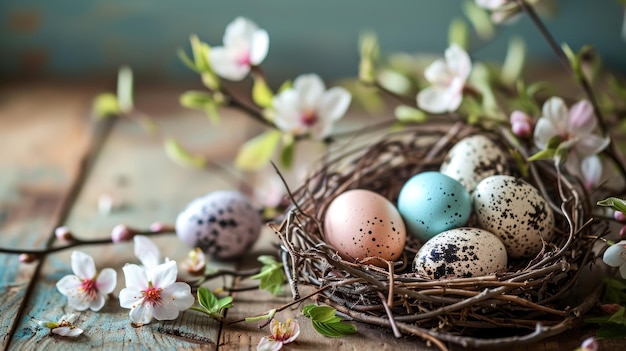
(474, 158)
(514, 211)
(223, 224)
(461, 252)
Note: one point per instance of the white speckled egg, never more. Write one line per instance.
(514, 211)
(361, 223)
(223, 224)
(474, 158)
(461, 252)
(432, 202)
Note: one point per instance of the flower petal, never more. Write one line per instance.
(67, 331)
(135, 277)
(334, 104)
(79, 301)
(591, 144)
(107, 280)
(267, 344)
(165, 312)
(226, 65)
(294, 327)
(179, 294)
(259, 46)
(612, 255)
(129, 298)
(591, 168)
(97, 303)
(287, 107)
(68, 285)
(437, 73)
(310, 88)
(146, 251)
(141, 314)
(544, 131)
(556, 112)
(83, 265)
(622, 270)
(435, 100)
(164, 275)
(582, 119)
(240, 30)
(458, 61)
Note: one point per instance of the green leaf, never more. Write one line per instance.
(106, 105)
(481, 79)
(125, 89)
(480, 19)
(178, 154)
(288, 84)
(261, 94)
(458, 33)
(182, 55)
(257, 152)
(611, 331)
(614, 203)
(272, 276)
(286, 155)
(200, 53)
(369, 50)
(406, 113)
(546, 154)
(514, 62)
(224, 302)
(326, 322)
(206, 298)
(574, 61)
(203, 101)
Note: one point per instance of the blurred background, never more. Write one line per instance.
(80, 39)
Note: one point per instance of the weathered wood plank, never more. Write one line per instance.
(133, 168)
(44, 133)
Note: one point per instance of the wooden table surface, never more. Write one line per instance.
(55, 162)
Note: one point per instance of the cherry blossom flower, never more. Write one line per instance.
(447, 78)
(154, 293)
(86, 288)
(64, 327)
(589, 344)
(282, 333)
(575, 127)
(309, 108)
(491, 4)
(195, 263)
(245, 45)
(147, 252)
(521, 124)
(615, 256)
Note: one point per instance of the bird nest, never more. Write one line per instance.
(524, 303)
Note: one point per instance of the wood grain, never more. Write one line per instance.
(44, 133)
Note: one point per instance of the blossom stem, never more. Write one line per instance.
(235, 102)
(611, 149)
(37, 254)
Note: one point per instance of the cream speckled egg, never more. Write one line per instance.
(474, 158)
(461, 252)
(514, 211)
(361, 223)
(223, 224)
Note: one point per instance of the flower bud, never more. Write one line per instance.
(610, 308)
(521, 124)
(27, 258)
(622, 232)
(63, 234)
(590, 344)
(121, 233)
(619, 216)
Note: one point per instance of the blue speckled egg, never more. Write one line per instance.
(432, 202)
(223, 224)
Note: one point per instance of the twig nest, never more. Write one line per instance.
(224, 224)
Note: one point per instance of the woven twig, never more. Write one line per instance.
(522, 303)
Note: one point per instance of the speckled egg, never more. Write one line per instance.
(361, 223)
(461, 252)
(514, 211)
(474, 158)
(432, 202)
(223, 224)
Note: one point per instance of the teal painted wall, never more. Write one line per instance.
(82, 38)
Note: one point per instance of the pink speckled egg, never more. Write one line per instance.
(361, 223)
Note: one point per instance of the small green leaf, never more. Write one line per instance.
(614, 203)
(334, 330)
(611, 331)
(288, 84)
(203, 101)
(286, 155)
(406, 113)
(369, 50)
(257, 152)
(261, 94)
(125, 89)
(206, 298)
(186, 60)
(178, 154)
(106, 105)
(514, 62)
(272, 276)
(546, 154)
(200, 53)
(326, 322)
(481, 79)
(574, 61)
(458, 33)
(321, 313)
(480, 19)
(224, 302)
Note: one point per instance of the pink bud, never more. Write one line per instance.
(158, 227)
(619, 216)
(121, 233)
(610, 308)
(622, 232)
(521, 124)
(590, 344)
(63, 234)
(27, 258)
